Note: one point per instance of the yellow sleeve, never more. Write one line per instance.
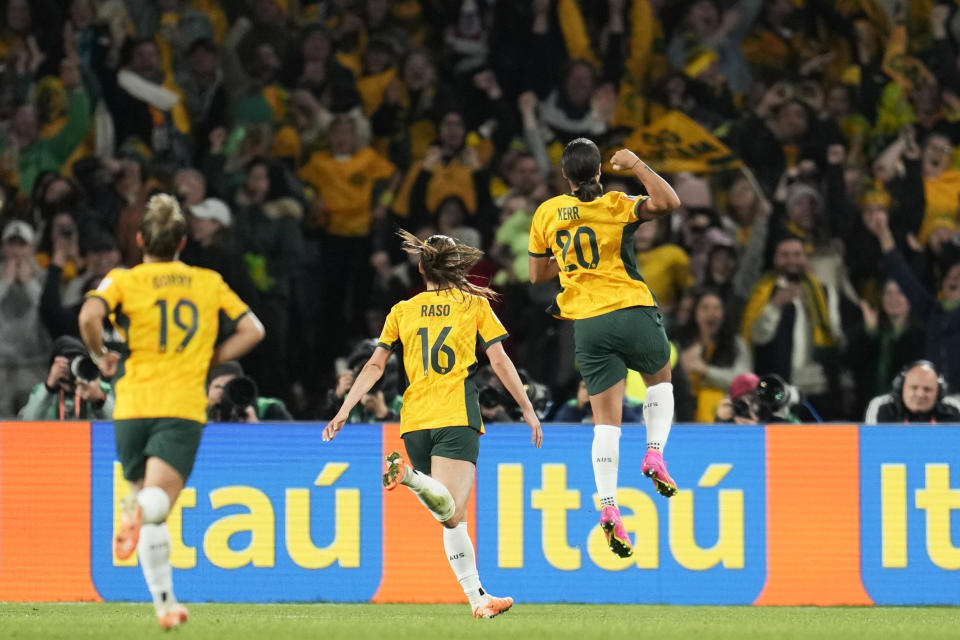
(489, 327)
(380, 167)
(642, 21)
(230, 303)
(575, 32)
(626, 208)
(308, 173)
(538, 247)
(390, 335)
(401, 204)
(110, 289)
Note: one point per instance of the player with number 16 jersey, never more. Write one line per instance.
(439, 331)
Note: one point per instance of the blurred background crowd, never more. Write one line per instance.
(813, 144)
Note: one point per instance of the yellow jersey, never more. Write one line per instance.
(169, 315)
(346, 187)
(941, 196)
(439, 331)
(593, 245)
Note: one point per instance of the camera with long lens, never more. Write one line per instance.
(490, 398)
(771, 397)
(83, 369)
(238, 394)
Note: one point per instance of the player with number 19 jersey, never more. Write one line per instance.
(170, 315)
(440, 331)
(593, 245)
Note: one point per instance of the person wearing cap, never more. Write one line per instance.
(219, 402)
(209, 244)
(72, 390)
(24, 342)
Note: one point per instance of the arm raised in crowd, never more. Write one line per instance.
(922, 302)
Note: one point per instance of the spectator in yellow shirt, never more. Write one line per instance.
(941, 186)
(344, 180)
(665, 266)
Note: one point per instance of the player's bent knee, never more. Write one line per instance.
(154, 504)
(452, 521)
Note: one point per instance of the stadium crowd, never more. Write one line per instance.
(813, 144)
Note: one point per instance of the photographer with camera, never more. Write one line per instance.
(233, 397)
(73, 389)
(917, 395)
(381, 404)
(754, 399)
(495, 401)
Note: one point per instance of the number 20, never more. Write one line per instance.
(564, 239)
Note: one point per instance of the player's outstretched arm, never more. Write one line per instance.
(663, 199)
(368, 376)
(503, 367)
(248, 334)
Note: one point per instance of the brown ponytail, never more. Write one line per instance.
(163, 227)
(446, 261)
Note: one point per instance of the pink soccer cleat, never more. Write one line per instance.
(616, 533)
(492, 607)
(655, 468)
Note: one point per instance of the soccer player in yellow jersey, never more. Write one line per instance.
(439, 331)
(169, 314)
(586, 237)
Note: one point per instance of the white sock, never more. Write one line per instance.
(463, 561)
(153, 551)
(658, 414)
(606, 459)
(431, 493)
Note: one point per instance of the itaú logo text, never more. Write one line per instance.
(554, 499)
(260, 523)
(939, 502)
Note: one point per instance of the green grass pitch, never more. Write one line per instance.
(527, 621)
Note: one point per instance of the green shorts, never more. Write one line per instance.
(456, 443)
(173, 440)
(609, 344)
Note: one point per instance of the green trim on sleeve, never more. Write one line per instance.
(388, 347)
(486, 345)
(540, 255)
(636, 205)
(94, 296)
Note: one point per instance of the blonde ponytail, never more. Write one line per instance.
(163, 227)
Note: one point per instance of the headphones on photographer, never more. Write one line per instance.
(897, 385)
